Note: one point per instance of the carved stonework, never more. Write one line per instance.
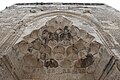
(58, 45)
(59, 41)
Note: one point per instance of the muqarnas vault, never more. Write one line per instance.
(59, 41)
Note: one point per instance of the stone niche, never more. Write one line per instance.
(58, 51)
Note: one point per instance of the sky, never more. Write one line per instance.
(114, 3)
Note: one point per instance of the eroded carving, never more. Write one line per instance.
(58, 45)
(59, 52)
(52, 63)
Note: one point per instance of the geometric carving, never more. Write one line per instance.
(59, 52)
(51, 63)
(31, 62)
(83, 63)
(86, 36)
(45, 52)
(37, 44)
(58, 44)
(94, 47)
(87, 61)
(66, 63)
(59, 31)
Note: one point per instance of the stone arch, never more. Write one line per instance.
(44, 46)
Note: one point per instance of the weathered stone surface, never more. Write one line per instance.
(59, 41)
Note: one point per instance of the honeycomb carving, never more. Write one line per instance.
(57, 45)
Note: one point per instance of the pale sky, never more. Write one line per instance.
(113, 3)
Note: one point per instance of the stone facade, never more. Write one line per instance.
(59, 41)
